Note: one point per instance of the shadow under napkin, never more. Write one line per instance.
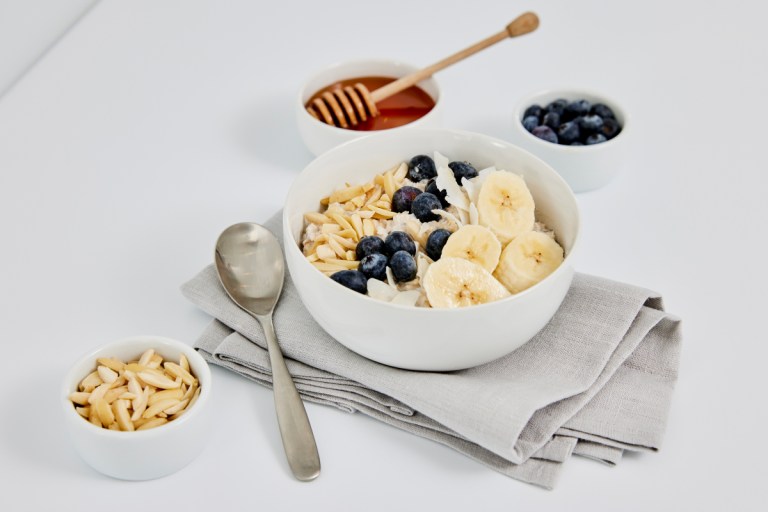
(602, 371)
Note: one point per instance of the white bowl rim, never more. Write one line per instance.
(188, 416)
(374, 61)
(529, 99)
(436, 311)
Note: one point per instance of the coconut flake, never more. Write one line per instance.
(408, 298)
(474, 215)
(380, 290)
(454, 194)
(391, 278)
(440, 160)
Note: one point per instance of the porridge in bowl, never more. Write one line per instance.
(432, 232)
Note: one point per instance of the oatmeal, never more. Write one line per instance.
(432, 233)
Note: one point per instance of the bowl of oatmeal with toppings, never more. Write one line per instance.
(430, 249)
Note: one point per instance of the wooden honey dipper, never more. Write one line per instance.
(353, 104)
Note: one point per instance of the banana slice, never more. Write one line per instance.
(505, 205)
(456, 282)
(477, 244)
(528, 259)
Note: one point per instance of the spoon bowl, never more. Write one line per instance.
(250, 266)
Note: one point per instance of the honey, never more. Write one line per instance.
(397, 110)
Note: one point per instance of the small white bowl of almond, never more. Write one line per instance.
(461, 242)
(136, 409)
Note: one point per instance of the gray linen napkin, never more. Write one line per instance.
(595, 381)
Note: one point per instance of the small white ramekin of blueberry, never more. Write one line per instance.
(573, 123)
(580, 133)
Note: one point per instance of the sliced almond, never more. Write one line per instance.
(155, 361)
(176, 408)
(190, 391)
(343, 222)
(146, 357)
(79, 397)
(93, 417)
(344, 264)
(113, 394)
(83, 411)
(158, 407)
(91, 382)
(177, 371)
(327, 267)
(325, 252)
(111, 363)
(344, 242)
(104, 411)
(389, 183)
(330, 227)
(158, 380)
(375, 194)
(164, 395)
(140, 404)
(123, 418)
(368, 227)
(133, 385)
(135, 367)
(98, 393)
(357, 224)
(400, 173)
(344, 195)
(336, 247)
(155, 422)
(381, 213)
(316, 218)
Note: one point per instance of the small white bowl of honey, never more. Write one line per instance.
(416, 106)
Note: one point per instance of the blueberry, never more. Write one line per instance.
(595, 138)
(577, 108)
(557, 106)
(399, 241)
(576, 143)
(611, 128)
(403, 197)
(352, 279)
(462, 170)
(424, 204)
(545, 133)
(591, 123)
(551, 119)
(421, 167)
(403, 266)
(533, 110)
(369, 245)
(530, 122)
(602, 110)
(374, 266)
(568, 132)
(440, 194)
(435, 243)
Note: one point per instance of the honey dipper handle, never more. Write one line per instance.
(523, 24)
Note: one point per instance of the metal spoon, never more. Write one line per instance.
(251, 269)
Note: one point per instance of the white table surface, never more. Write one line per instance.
(154, 125)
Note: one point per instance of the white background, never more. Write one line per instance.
(28, 28)
(153, 125)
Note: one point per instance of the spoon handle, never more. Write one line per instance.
(298, 439)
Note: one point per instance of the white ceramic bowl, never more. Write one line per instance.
(320, 137)
(421, 338)
(583, 167)
(146, 454)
